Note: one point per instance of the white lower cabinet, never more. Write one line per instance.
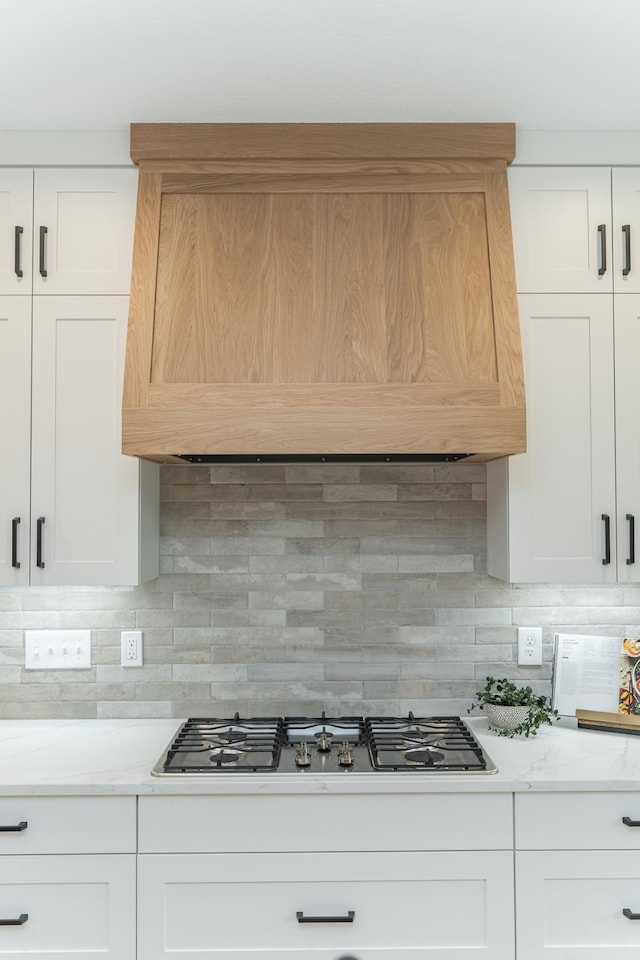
(68, 878)
(578, 876)
(367, 905)
(68, 906)
(365, 877)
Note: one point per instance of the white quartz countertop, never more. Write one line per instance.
(72, 757)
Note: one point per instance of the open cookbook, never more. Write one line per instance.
(600, 674)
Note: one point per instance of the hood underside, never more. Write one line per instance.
(323, 292)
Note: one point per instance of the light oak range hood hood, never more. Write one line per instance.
(323, 291)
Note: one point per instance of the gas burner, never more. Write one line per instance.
(424, 755)
(224, 755)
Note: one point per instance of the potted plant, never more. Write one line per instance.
(512, 710)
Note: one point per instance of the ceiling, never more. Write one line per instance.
(545, 64)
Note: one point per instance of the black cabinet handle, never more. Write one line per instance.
(630, 915)
(43, 251)
(626, 233)
(628, 822)
(19, 827)
(348, 919)
(39, 539)
(15, 923)
(14, 543)
(348, 958)
(602, 242)
(607, 539)
(631, 520)
(17, 251)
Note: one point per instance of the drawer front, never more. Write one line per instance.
(570, 905)
(383, 906)
(80, 907)
(577, 821)
(67, 825)
(288, 823)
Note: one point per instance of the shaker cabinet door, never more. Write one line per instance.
(545, 508)
(15, 431)
(561, 220)
(16, 206)
(83, 230)
(84, 491)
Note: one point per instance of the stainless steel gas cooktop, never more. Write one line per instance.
(323, 745)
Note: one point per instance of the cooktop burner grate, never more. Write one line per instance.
(413, 742)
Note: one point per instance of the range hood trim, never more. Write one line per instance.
(444, 418)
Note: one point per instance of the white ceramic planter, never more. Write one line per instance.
(505, 718)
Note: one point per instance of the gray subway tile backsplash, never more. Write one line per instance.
(293, 588)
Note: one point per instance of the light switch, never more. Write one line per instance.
(57, 649)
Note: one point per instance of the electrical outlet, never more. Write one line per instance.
(131, 648)
(529, 646)
(57, 649)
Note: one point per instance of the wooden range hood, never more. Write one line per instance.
(307, 291)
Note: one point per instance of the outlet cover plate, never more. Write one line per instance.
(57, 649)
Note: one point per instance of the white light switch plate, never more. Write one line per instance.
(57, 649)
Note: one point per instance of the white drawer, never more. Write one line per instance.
(569, 905)
(384, 906)
(80, 907)
(325, 823)
(67, 825)
(577, 821)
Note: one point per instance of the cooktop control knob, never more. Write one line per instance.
(345, 757)
(303, 757)
(323, 742)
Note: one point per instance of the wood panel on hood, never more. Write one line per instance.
(323, 289)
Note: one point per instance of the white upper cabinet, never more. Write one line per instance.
(16, 230)
(84, 493)
(561, 219)
(15, 431)
(566, 510)
(552, 511)
(626, 229)
(83, 230)
(66, 231)
(73, 509)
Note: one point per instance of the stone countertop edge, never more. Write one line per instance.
(115, 757)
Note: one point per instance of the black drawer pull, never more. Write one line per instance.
(626, 233)
(14, 543)
(348, 919)
(43, 251)
(39, 526)
(15, 923)
(630, 915)
(19, 827)
(348, 958)
(607, 539)
(17, 252)
(602, 237)
(628, 822)
(631, 520)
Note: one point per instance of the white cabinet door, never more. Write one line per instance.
(85, 494)
(561, 219)
(545, 508)
(626, 229)
(627, 348)
(15, 430)
(69, 906)
(16, 214)
(83, 230)
(448, 906)
(569, 905)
